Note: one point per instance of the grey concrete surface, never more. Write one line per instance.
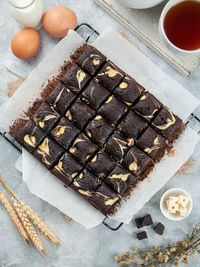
(81, 247)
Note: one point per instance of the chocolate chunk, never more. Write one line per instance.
(99, 130)
(147, 220)
(60, 98)
(129, 90)
(159, 228)
(67, 168)
(138, 222)
(83, 148)
(142, 235)
(64, 133)
(91, 60)
(112, 110)
(147, 106)
(45, 117)
(94, 94)
(80, 114)
(75, 79)
(110, 76)
(30, 136)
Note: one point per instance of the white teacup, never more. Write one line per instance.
(139, 4)
(163, 35)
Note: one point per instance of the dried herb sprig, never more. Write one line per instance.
(160, 256)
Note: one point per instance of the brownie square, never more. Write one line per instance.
(30, 136)
(132, 126)
(75, 79)
(60, 98)
(80, 114)
(45, 117)
(129, 90)
(86, 183)
(48, 152)
(117, 146)
(147, 220)
(101, 164)
(83, 148)
(152, 143)
(168, 124)
(159, 228)
(91, 60)
(138, 222)
(67, 168)
(104, 199)
(64, 133)
(120, 179)
(99, 130)
(137, 161)
(112, 110)
(142, 235)
(110, 75)
(147, 106)
(94, 94)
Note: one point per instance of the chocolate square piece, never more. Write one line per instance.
(80, 114)
(64, 132)
(147, 220)
(99, 130)
(138, 222)
(129, 90)
(120, 179)
(94, 94)
(137, 161)
(117, 146)
(91, 60)
(48, 152)
(159, 228)
(104, 199)
(60, 98)
(132, 126)
(110, 75)
(83, 148)
(86, 183)
(67, 168)
(112, 110)
(45, 117)
(168, 124)
(101, 164)
(30, 136)
(152, 143)
(75, 79)
(147, 106)
(142, 235)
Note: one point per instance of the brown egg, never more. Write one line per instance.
(25, 43)
(58, 20)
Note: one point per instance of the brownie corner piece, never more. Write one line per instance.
(48, 152)
(75, 78)
(110, 75)
(91, 60)
(30, 136)
(129, 90)
(67, 168)
(159, 228)
(142, 235)
(138, 222)
(147, 106)
(168, 124)
(147, 220)
(105, 199)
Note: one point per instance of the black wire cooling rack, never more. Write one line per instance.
(88, 33)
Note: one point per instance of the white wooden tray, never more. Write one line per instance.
(144, 24)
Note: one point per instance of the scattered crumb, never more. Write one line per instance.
(67, 218)
(138, 47)
(149, 180)
(123, 34)
(186, 167)
(172, 153)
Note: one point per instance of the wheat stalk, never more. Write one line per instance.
(40, 224)
(11, 211)
(28, 227)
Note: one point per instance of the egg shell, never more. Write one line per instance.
(58, 20)
(25, 43)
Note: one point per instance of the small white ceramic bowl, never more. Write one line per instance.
(175, 192)
(139, 4)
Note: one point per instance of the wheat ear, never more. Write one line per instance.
(28, 227)
(40, 224)
(13, 215)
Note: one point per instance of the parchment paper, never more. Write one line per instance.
(43, 184)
